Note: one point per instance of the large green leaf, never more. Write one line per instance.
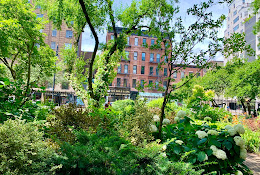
(201, 156)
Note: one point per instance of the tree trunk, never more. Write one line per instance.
(248, 107)
(243, 104)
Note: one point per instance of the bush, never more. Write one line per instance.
(252, 140)
(110, 154)
(23, 149)
(222, 151)
(135, 125)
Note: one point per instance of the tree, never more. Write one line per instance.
(22, 47)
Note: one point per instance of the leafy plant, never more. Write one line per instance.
(23, 149)
(252, 140)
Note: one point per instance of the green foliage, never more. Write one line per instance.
(252, 140)
(123, 105)
(135, 125)
(194, 145)
(214, 113)
(110, 154)
(23, 149)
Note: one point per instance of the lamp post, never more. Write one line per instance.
(54, 74)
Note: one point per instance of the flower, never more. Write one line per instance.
(156, 118)
(239, 141)
(243, 153)
(164, 147)
(153, 128)
(232, 131)
(181, 114)
(227, 127)
(214, 149)
(206, 158)
(180, 142)
(220, 154)
(239, 128)
(201, 134)
(207, 119)
(163, 154)
(166, 121)
(213, 132)
(176, 119)
(238, 173)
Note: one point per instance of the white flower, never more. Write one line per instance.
(181, 114)
(166, 121)
(239, 128)
(232, 131)
(238, 173)
(164, 147)
(220, 154)
(213, 132)
(153, 128)
(176, 119)
(214, 149)
(180, 142)
(239, 141)
(156, 118)
(201, 134)
(163, 154)
(227, 127)
(206, 158)
(243, 153)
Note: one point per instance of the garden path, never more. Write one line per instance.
(253, 163)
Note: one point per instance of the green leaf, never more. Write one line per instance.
(209, 152)
(201, 156)
(227, 144)
(216, 143)
(202, 141)
(177, 150)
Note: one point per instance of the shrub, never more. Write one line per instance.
(110, 154)
(206, 147)
(252, 140)
(23, 149)
(135, 126)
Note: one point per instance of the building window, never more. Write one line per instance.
(152, 42)
(134, 83)
(175, 75)
(126, 69)
(127, 54)
(142, 70)
(151, 57)
(144, 41)
(54, 33)
(190, 73)
(236, 28)
(135, 55)
(236, 19)
(118, 82)
(134, 69)
(165, 71)
(142, 83)
(235, 12)
(182, 74)
(243, 1)
(64, 85)
(69, 33)
(53, 45)
(165, 59)
(136, 41)
(128, 41)
(157, 71)
(143, 56)
(68, 45)
(125, 82)
(165, 84)
(158, 58)
(112, 37)
(156, 84)
(119, 68)
(150, 82)
(151, 70)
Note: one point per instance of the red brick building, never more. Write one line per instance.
(141, 67)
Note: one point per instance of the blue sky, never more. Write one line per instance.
(217, 10)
